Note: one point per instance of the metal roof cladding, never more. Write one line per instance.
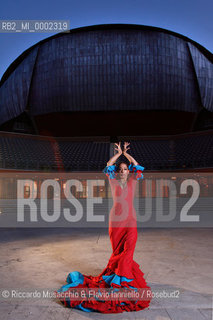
(109, 67)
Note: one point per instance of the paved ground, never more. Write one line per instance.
(177, 259)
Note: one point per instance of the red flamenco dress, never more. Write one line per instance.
(121, 272)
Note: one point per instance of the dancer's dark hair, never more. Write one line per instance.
(117, 164)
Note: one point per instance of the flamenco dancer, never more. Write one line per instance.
(121, 272)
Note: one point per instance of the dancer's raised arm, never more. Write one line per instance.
(130, 158)
(116, 156)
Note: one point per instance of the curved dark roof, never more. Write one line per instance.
(109, 67)
(14, 64)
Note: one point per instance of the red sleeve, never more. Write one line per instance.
(136, 171)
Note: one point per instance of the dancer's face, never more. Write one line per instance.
(123, 171)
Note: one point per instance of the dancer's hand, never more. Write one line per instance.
(126, 147)
(118, 145)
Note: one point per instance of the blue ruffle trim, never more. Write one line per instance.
(136, 168)
(75, 278)
(110, 171)
(114, 278)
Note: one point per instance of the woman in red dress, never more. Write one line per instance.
(121, 272)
